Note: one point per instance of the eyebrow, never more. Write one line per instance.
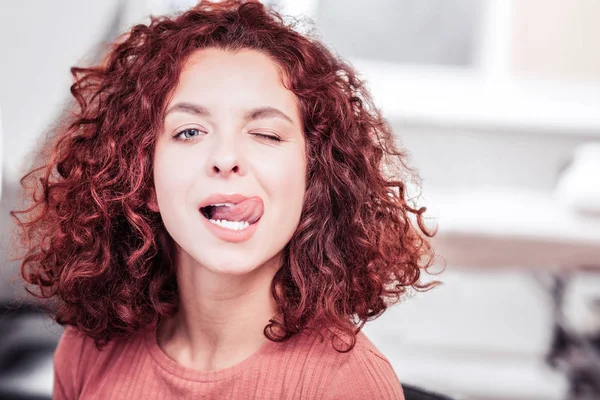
(253, 114)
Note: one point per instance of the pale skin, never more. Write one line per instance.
(225, 288)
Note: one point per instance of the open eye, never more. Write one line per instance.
(187, 134)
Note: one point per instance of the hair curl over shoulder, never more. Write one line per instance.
(105, 261)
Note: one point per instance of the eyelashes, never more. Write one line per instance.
(184, 135)
(268, 137)
(181, 134)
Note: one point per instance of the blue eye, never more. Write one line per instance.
(187, 134)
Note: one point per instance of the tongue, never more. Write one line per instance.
(249, 210)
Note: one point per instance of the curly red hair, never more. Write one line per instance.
(91, 245)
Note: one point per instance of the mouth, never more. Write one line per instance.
(242, 213)
(207, 211)
(228, 231)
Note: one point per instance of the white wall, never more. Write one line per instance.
(556, 39)
(39, 41)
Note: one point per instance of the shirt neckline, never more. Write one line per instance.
(174, 368)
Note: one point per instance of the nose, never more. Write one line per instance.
(226, 156)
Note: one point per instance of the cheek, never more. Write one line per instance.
(172, 177)
(288, 184)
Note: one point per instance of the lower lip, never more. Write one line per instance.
(230, 235)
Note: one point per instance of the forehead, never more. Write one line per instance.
(223, 79)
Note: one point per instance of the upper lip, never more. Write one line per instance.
(218, 198)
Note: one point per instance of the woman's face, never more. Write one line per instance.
(211, 144)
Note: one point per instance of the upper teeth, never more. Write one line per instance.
(222, 204)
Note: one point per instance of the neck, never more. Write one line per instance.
(221, 318)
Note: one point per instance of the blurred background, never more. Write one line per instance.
(497, 102)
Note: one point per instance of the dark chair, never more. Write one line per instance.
(415, 393)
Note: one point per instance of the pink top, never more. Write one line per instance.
(301, 368)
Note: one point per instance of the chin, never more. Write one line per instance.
(233, 264)
(233, 271)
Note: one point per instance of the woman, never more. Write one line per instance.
(217, 220)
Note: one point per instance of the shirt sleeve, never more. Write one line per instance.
(366, 375)
(67, 361)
